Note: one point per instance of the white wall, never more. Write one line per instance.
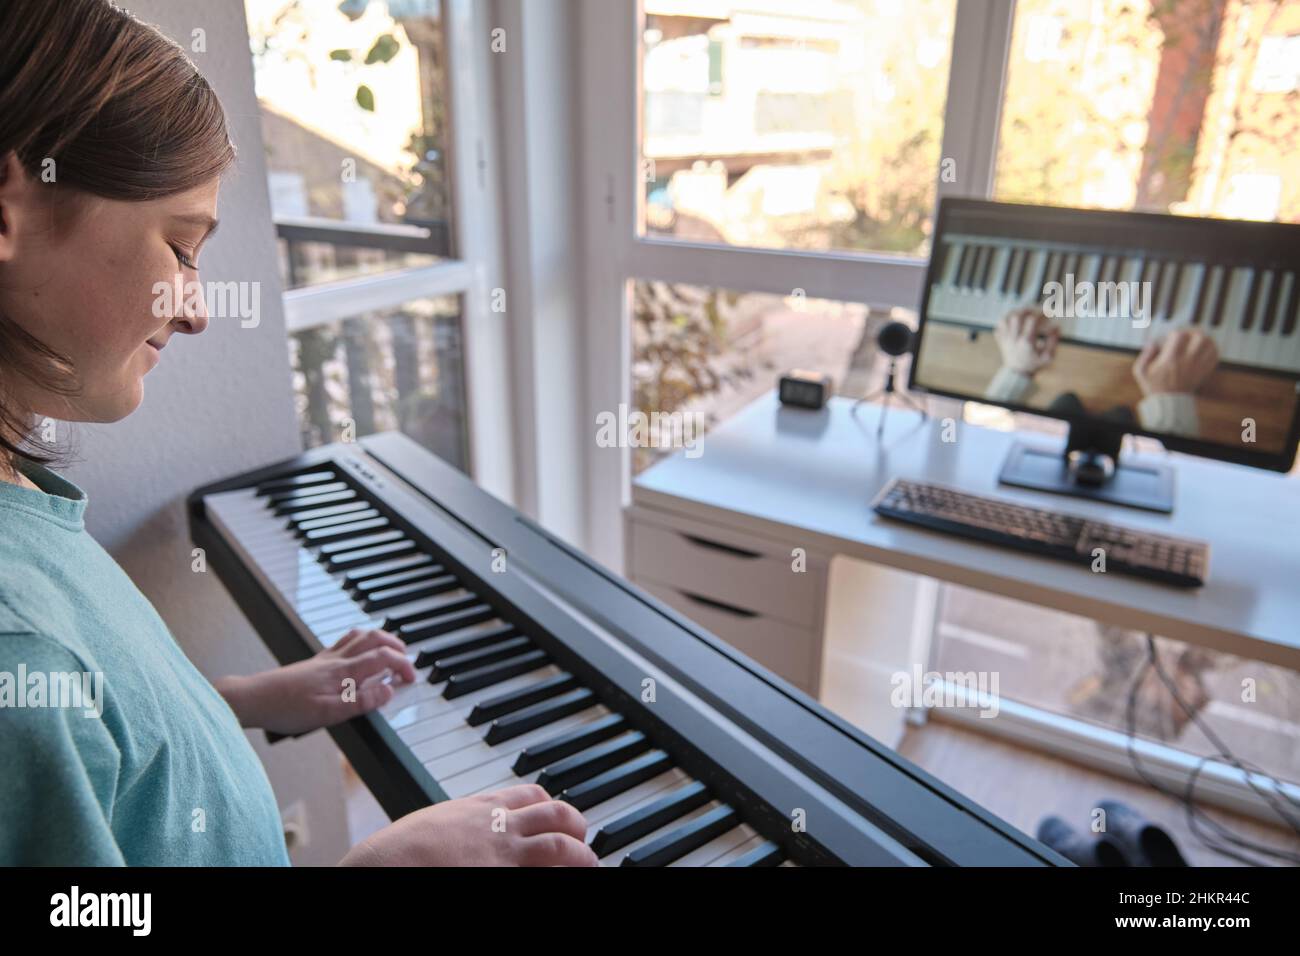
(218, 404)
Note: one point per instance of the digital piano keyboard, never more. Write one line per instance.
(537, 665)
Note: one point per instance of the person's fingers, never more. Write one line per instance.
(373, 696)
(1179, 344)
(1145, 358)
(553, 816)
(517, 797)
(343, 643)
(556, 849)
(378, 660)
(370, 639)
(1017, 324)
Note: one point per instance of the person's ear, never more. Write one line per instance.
(15, 195)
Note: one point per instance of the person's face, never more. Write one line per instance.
(90, 294)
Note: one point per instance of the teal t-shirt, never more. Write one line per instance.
(114, 749)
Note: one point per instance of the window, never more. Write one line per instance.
(793, 126)
(354, 124)
(383, 289)
(1164, 107)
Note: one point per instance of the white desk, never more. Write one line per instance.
(794, 478)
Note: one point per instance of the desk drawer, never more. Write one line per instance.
(732, 568)
(788, 651)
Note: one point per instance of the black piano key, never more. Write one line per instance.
(1022, 277)
(366, 572)
(383, 581)
(352, 559)
(294, 494)
(1049, 274)
(516, 700)
(986, 266)
(1289, 310)
(538, 715)
(1197, 294)
(568, 743)
(1148, 276)
(1252, 300)
(1270, 305)
(364, 541)
(330, 511)
(1103, 267)
(410, 591)
(1004, 287)
(429, 608)
(766, 853)
(1204, 300)
(460, 684)
(1221, 298)
(444, 623)
(583, 766)
(1070, 267)
(687, 837)
(1163, 272)
(1175, 289)
(301, 525)
(295, 481)
(611, 783)
(337, 533)
(462, 640)
(307, 504)
(966, 264)
(471, 660)
(645, 820)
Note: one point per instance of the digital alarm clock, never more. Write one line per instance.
(804, 389)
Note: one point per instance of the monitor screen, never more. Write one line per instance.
(1181, 328)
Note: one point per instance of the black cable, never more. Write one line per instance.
(1195, 814)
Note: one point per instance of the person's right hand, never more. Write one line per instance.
(517, 826)
(1027, 340)
(1178, 363)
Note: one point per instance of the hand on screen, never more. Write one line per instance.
(1027, 340)
(1177, 364)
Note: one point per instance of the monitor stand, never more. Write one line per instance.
(1090, 468)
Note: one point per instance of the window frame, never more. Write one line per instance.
(610, 112)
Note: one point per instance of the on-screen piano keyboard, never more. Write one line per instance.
(541, 669)
(1251, 310)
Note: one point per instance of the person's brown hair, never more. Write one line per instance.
(114, 109)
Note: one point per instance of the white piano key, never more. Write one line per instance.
(1255, 345)
(1229, 336)
(407, 712)
(493, 773)
(445, 766)
(718, 846)
(629, 801)
(615, 858)
(736, 852)
(1188, 287)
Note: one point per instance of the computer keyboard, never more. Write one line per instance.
(1176, 561)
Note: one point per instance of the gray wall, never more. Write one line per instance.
(218, 404)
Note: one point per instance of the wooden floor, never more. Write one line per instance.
(1022, 787)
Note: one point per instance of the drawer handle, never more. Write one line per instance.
(727, 548)
(719, 605)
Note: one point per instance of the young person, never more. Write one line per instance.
(112, 147)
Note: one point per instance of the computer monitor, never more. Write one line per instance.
(1183, 329)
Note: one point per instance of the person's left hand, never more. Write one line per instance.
(339, 683)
